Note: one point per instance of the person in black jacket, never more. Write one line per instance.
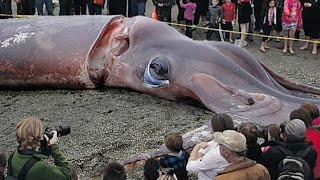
(118, 7)
(293, 134)
(163, 9)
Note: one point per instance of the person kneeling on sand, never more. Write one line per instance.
(233, 147)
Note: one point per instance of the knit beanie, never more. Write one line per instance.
(295, 130)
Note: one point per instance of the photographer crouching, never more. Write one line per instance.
(34, 146)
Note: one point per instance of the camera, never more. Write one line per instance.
(61, 131)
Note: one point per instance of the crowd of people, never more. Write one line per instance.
(288, 18)
(287, 151)
(246, 151)
(73, 7)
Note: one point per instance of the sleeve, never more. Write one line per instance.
(286, 9)
(220, 13)
(61, 169)
(182, 5)
(209, 161)
(208, 15)
(163, 163)
(234, 12)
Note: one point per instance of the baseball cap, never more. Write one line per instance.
(232, 140)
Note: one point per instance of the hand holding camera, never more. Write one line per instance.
(50, 137)
(53, 139)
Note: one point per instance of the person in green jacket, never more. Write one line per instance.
(29, 132)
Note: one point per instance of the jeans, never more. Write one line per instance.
(49, 7)
(141, 8)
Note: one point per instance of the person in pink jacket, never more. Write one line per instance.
(291, 21)
(190, 8)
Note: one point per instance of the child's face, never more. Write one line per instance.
(215, 2)
(272, 4)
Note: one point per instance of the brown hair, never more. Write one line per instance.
(28, 133)
(221, 122)
(250, 131)
(173, 142)
(73, 172)
(3, 159)
(301, 114)
(274, 131)
(311, 108)
(114, 171)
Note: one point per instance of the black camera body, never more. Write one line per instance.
(61, 131)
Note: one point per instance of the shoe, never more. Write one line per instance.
(267, 47)
(245, 44)
(277, 40)
(291, 51)
(303, 48)
(314, 53)
(284, 51)
(230, 40)
(262, 50)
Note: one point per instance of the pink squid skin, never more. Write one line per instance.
(112, 51)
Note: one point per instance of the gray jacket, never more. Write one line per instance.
(214, 14)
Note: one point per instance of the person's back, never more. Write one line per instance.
(41, 170)
(294, 132)
(28, 133)
(244, 170)
(177, 158)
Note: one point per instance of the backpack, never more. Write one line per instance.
(24, 171)
(293, 166)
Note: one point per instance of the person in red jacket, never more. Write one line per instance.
(228, 18)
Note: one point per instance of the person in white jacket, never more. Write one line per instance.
(205, 158)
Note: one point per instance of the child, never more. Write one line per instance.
(190, 7)
(177, 158)
(214, 17)
(291, 21)
(269, 20)
(228, 16)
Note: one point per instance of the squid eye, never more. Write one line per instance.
(157, 72)
(159, 68)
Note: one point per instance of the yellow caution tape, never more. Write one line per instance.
(17, 16)
(237, 32)
(198, 27)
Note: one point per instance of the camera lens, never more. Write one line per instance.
(63, 130)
